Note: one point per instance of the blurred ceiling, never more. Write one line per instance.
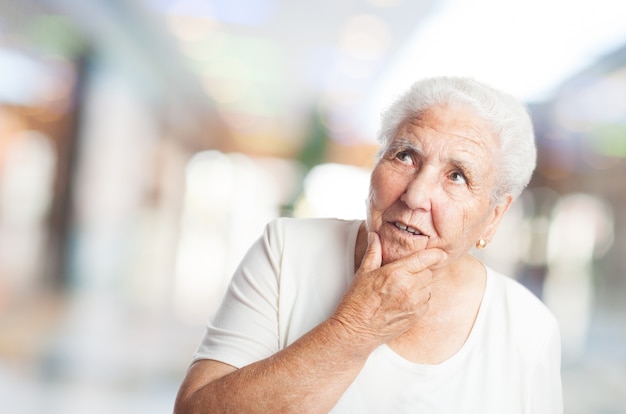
(269, 67)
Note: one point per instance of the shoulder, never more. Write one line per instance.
(306, 238)
(514, 290)
(311, 224)
(310, 230)
(528, 319)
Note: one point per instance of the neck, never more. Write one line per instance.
(465, 271)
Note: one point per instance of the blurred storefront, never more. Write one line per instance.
(141, 153)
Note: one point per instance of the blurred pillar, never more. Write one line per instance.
(67, 159)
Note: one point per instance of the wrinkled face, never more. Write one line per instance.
(432, 187)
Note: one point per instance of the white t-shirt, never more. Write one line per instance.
(293, 277)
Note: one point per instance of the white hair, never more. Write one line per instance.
(508, 118)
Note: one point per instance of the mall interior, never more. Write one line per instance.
(144, 145)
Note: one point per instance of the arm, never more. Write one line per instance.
(313, 372)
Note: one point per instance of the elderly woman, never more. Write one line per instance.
(393, 314)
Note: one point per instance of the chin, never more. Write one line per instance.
(393, 254)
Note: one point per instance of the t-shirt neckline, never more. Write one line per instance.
(460, 355)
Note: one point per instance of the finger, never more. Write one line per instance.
(422, 260)
(372, 259)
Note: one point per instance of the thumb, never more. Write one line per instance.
(372, 259)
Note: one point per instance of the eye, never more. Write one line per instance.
(405, 157)
(458, 177)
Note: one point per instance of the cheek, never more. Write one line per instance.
(374, 209)
(386, 186)
(466, 221)
(456, 221)
(473, 222)
(375, 194)
(377, 201)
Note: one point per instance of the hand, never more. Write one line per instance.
(384, 302)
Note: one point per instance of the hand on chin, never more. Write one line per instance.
(393, 250)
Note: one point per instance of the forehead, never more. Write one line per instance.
(452, 123)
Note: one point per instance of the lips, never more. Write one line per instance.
(408, 229)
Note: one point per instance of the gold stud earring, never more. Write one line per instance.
(481, 244)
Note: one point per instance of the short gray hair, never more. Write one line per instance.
(508, 118)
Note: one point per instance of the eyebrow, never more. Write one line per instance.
(405, 144)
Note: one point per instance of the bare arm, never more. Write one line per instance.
(313, 372)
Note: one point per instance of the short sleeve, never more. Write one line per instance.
(245, 327)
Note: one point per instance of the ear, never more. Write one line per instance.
(496, 217)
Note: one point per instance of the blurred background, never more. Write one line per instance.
(144, 144)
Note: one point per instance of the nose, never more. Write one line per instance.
(420, 190)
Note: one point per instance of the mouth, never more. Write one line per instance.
(408, 229)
